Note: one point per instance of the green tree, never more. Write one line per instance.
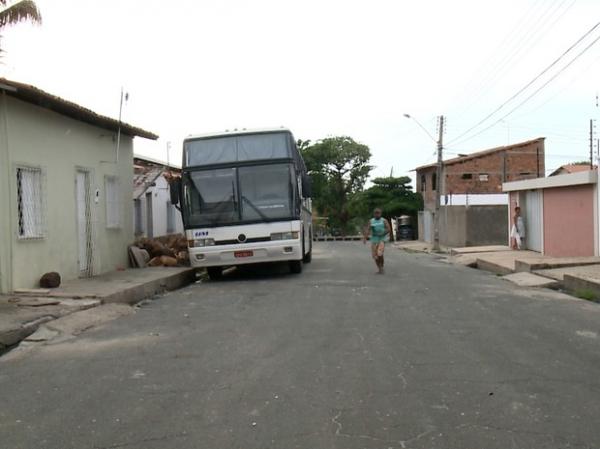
(339, 168)
(12, 12)
(393, 195)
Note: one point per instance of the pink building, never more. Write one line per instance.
(560, 213)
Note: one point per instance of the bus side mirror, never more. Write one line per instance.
(174, 190)
(306, 186)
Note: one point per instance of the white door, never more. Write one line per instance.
(533, 220)
(82, 190)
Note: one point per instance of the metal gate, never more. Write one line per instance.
(533, 220)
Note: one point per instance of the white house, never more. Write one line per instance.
(153, 213)
(65, 188)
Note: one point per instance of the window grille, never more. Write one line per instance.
(30, 211)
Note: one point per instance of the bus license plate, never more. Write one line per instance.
(243, 253)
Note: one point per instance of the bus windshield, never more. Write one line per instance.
(235, 195)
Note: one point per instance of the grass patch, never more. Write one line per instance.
(587, 294)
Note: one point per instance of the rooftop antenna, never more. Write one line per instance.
(124, 97)
(168, 153)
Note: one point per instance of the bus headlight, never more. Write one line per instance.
(285, 235)
(201, 242)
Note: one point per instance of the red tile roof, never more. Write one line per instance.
(572, 168)
(482, 153)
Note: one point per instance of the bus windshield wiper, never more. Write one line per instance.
(256, 209)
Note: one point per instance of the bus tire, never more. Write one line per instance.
(214, 273)
(308, 256)
(296, 266)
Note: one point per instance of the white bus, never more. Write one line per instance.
(245, 198)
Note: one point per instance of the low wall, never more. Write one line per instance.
(453, 226)
(487, 225)
(462, 226)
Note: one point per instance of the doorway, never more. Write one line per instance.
(84, 223)
(149, 221)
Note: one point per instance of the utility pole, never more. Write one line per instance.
(439, 183)
(591, 144)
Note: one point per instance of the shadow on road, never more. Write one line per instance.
(261, 271)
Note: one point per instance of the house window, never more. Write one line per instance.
(113, 204)
(484, 177)
(170, 218)
(467, 176)
(29, 203)
(434, 181)
(423, 183)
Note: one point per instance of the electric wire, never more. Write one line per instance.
(532, 38)
(535, 92)
(533, 81)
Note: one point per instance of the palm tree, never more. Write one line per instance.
(18, 11)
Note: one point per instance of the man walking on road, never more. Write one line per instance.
(377, 231)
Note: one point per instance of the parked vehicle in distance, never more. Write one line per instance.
(245, 198)
(404, 229)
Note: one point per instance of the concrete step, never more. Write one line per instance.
(583, 280)
(500, 267)
(525, 279)
(549, 263)
(478, 249)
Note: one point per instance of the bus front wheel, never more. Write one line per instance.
(308, 256)
(296, 266)
(214, 273)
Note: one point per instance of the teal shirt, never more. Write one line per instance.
(378, 231)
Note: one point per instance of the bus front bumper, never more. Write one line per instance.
(229, 255)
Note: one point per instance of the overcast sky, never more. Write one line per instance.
(322, 68)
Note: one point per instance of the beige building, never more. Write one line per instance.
(65, 188)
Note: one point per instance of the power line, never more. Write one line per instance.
(561, 90)
(536, 91)
(491, 68)
(531, 38)
(543, 72)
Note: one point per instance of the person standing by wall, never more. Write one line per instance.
(517, 232)
(377, 231)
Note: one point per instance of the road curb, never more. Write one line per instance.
(135, 292)
(145, 290)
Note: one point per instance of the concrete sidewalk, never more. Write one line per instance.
(417, 246)
(503, 262)
(573, 274)
(525, 268)
(576, 279)
(22, 314)
(129, 286)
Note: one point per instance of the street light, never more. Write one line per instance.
(410, 117)
(439, 175)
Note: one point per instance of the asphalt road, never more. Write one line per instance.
(427, 356)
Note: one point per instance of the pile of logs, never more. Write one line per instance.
(165, 251)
